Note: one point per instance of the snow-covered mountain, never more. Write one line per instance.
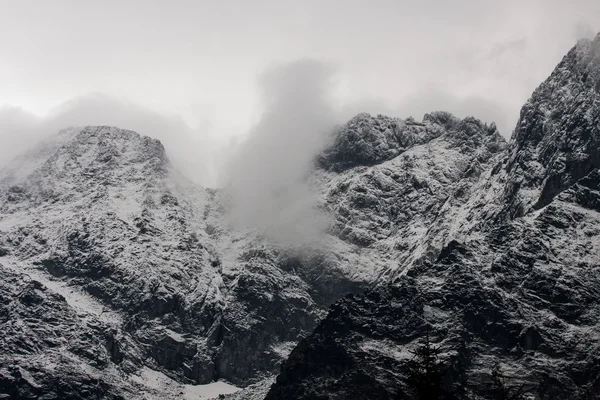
(515, 287)
(101, 210)
(122, 279)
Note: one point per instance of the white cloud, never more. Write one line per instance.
(199, 58)
(191, 150)
(268, 170)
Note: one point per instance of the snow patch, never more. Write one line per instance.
(209, 391)
(178, 337)
(387, 349)
(283, 349)
(84, 304)
(160, 387)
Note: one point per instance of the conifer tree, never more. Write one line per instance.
(425, 372)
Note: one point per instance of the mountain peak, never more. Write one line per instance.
(557, 138)
(84, 162)
(420, 212)
(96, 147)
(367, 140)
(508, 274)
(127, 144)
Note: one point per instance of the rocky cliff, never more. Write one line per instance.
(102, 211)
(515, 287)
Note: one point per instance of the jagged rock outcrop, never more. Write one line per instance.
(45, 343)
(366, 140)
(402, 210)
(556, 140)
(515, 286)
(102, 209)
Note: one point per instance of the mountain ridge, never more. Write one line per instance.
(517, 288)
(103, 210)
(441, 209)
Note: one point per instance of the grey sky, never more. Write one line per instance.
(198, 62)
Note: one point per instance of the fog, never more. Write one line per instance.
(192, 151)
(266, 175)
(201, 59)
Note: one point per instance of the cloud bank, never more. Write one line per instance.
(267, 173)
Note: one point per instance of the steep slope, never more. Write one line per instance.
(60, 343)
(515, 286)
(49, 349)
(102, 211)
(399, 202)
(493, 246)
(555, 142)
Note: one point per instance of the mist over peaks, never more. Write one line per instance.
(190, 149)
(267, 175)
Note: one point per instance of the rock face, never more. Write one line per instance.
(102, 210)
(556, 140)
(400, 211)
(516, 284)
(118, 270)
(45, 343)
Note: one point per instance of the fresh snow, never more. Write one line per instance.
(83, 303)
(160, 387)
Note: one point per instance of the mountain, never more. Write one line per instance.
(515, 288)
(99, 216)
(398, 199)
(122, 279)
(102, 211)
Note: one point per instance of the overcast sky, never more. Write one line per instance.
(198, 62)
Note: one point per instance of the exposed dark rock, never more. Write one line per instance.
(519, 290)
(557, 139)
(367, 140)
(44, 343)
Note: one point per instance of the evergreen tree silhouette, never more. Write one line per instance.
(425, 372)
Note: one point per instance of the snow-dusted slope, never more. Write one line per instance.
(494, 245)
(555, 142)
(50, 349)
(102, 211)
(517, 287)
(401, 208)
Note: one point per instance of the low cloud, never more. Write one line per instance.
(429, 99)
(19, 130)
(267, 173)
(191, 150)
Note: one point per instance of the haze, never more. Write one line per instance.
(188, 72)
